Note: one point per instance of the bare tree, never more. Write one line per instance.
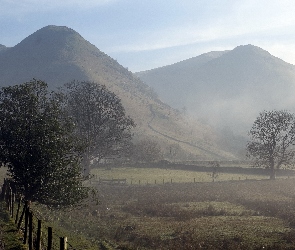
(100, 121)
(272, 140)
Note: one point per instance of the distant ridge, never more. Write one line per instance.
(229, 88)
(2, 48)
(58, 54)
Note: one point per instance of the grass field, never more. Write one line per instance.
(234, 214)
(245, 214)
(157, 175)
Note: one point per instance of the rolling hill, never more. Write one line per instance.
(58, 54)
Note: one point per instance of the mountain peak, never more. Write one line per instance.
(229, 90)
(53, 31)
(57, 28)
(50, 36)
(250, 49)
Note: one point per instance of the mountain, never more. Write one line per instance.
(59, 54)
(2, 48)
(227, 89)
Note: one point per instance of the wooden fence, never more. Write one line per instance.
(112, 181)
(26, 221)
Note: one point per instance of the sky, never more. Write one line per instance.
(146, 34)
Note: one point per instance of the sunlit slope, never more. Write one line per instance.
(58, 55)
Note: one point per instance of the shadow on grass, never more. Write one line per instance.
(9, 234)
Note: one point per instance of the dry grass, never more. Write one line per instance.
(220, 215)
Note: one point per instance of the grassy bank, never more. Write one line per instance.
(9, 235)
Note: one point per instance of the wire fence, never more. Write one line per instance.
(36, 233)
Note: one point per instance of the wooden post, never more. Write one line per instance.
(22, 215)
(139, 182)
(10, 200)
(194, 180)
(63, 243)
(30, 242)
(171, 180)
(49, 243)
(12, 204)
(163, 181)
(39, 235)
(18, 208)
(26, 226)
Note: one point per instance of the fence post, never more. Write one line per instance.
(7, 197)
(18, 208)
(39, 235)
(63, 243)
(22, 215)
(30, 242)
(10, 201)
(12, 204)
(49, 243)
(26, 225)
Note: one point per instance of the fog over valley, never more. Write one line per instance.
(153, 125)
(226, 89)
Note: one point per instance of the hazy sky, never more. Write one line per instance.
(144, 34)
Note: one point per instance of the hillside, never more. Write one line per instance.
(2, 48)
(227, 89)
(58, 55)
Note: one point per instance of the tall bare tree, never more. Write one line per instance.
(100, 120)
(272, 140)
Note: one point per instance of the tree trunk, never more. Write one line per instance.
(272, 173)
(86, 167)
